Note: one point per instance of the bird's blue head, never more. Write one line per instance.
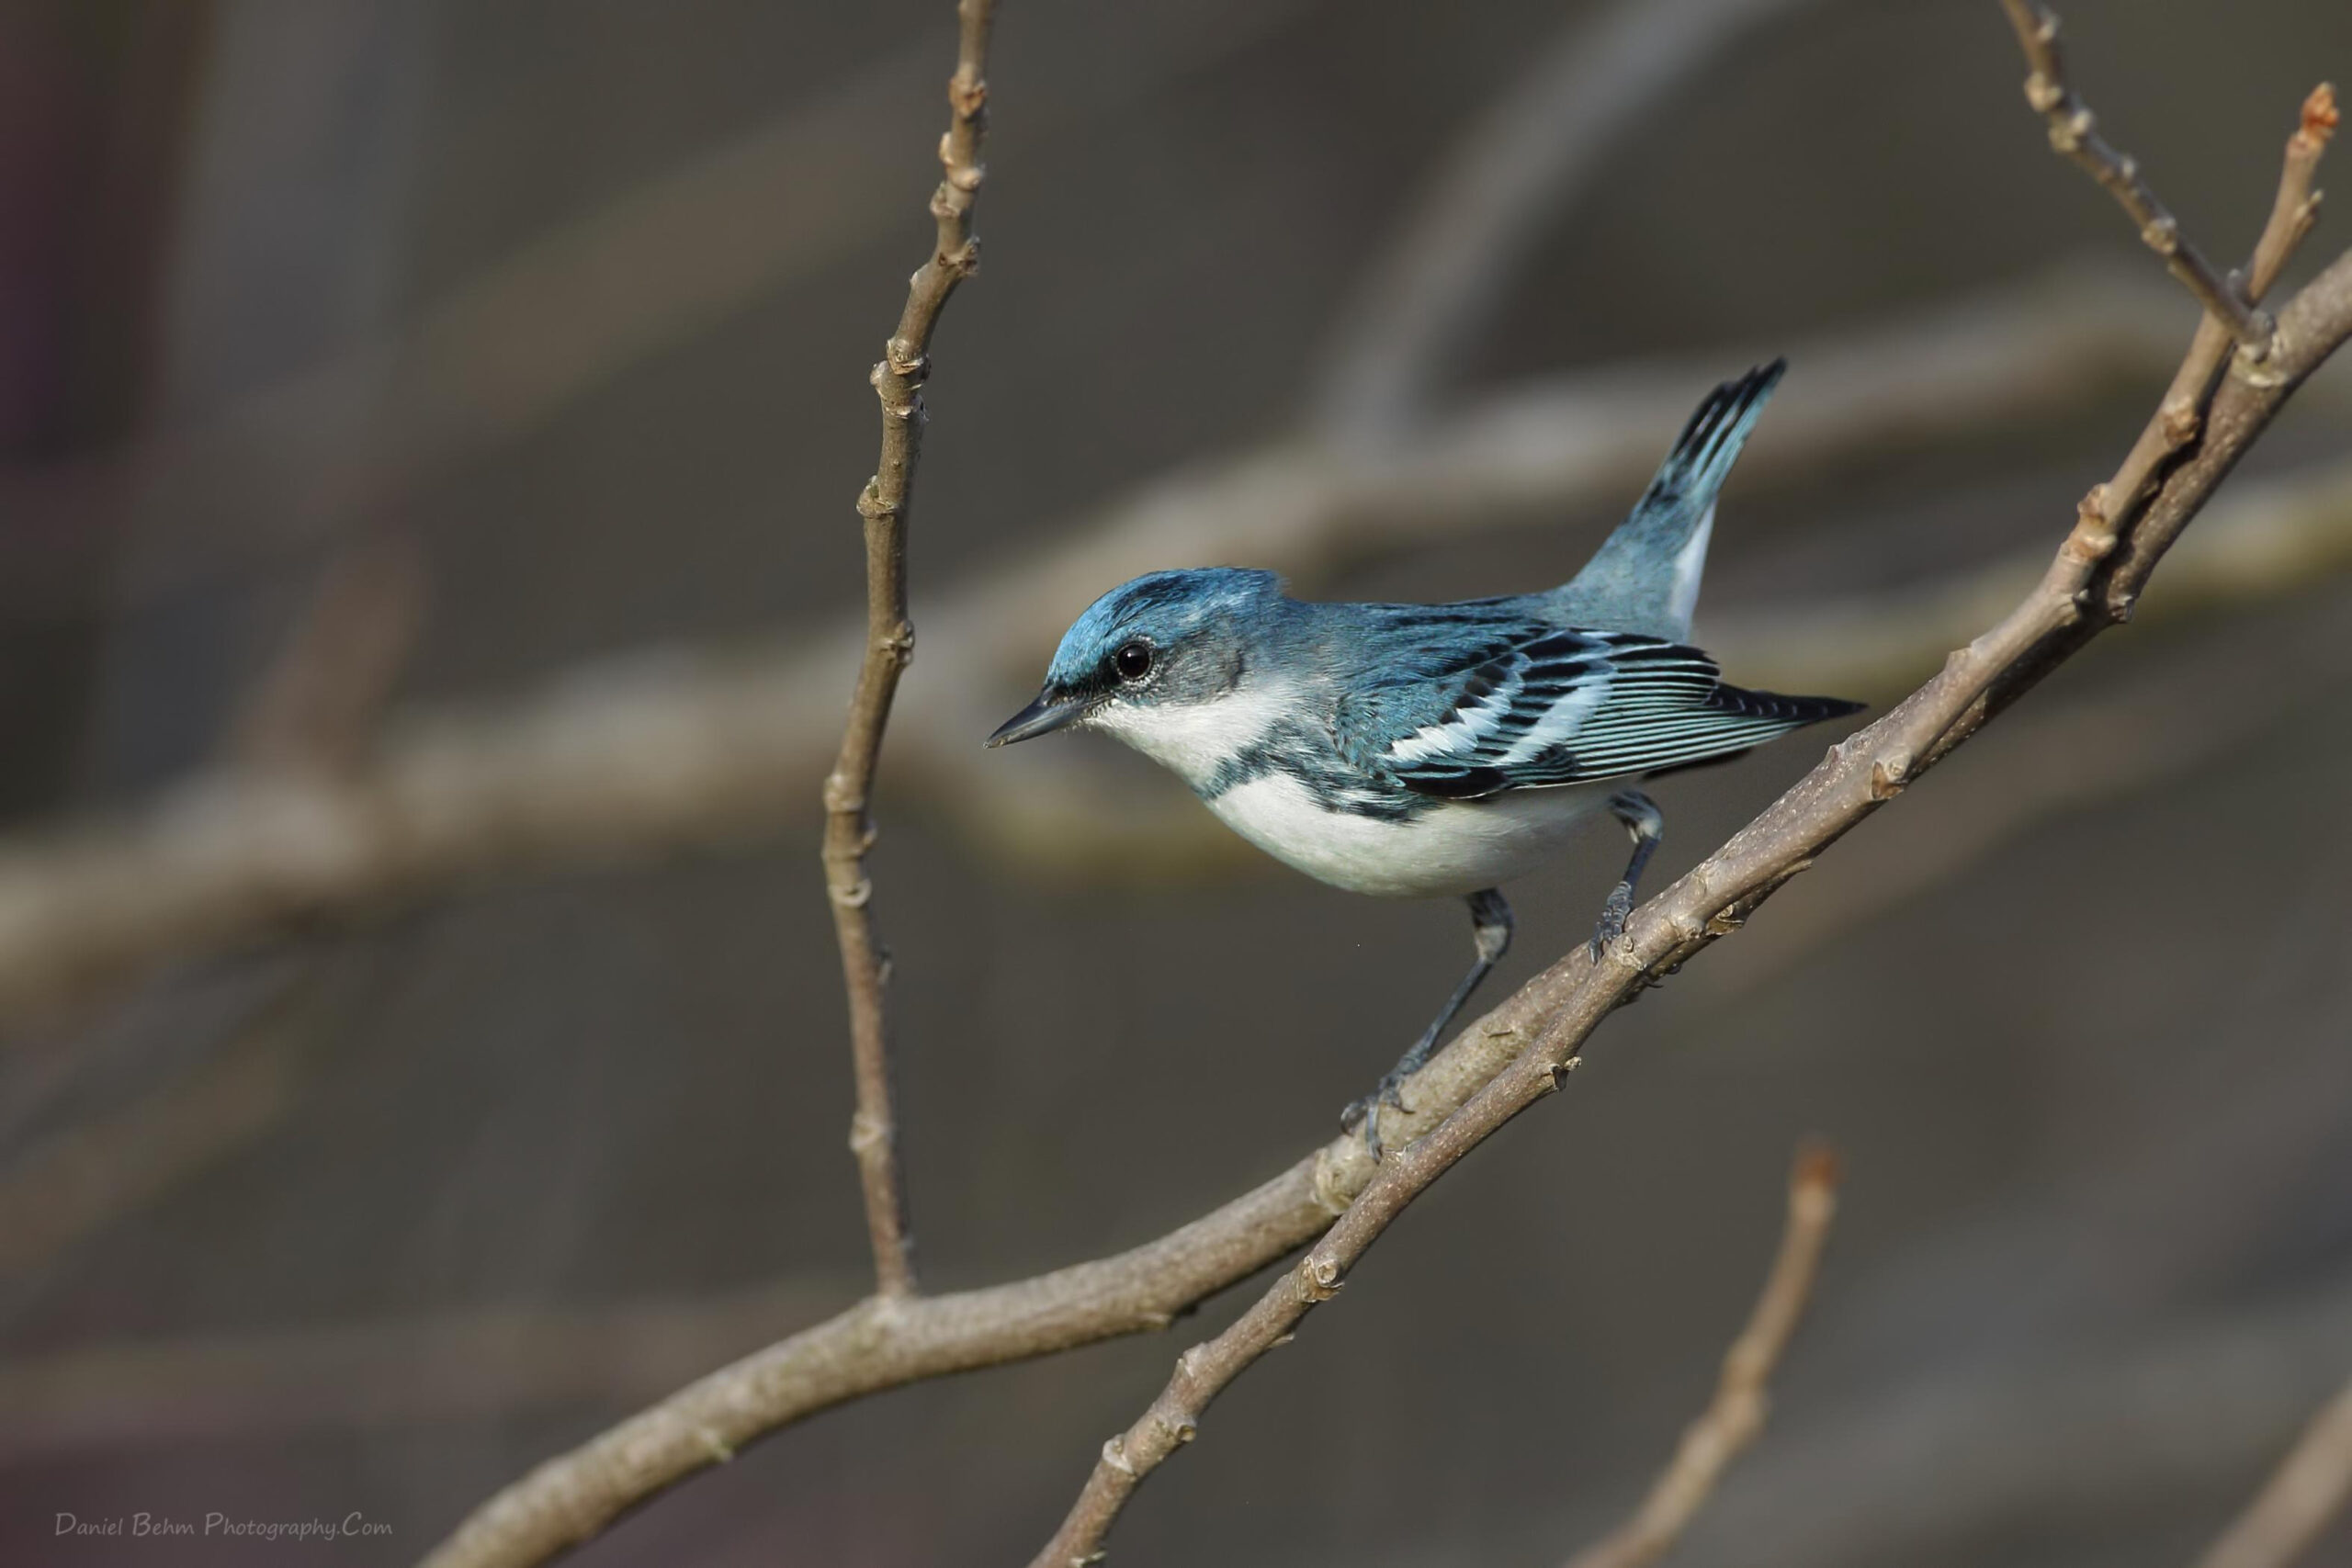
(1167, 638)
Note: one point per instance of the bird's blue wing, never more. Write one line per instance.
(1558, 706)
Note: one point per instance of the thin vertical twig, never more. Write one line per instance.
(889, 643)
(1735, 1415)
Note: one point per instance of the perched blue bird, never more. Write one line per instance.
(1416, 750)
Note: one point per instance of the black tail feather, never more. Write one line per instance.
(1773, 706)
(1724, 413)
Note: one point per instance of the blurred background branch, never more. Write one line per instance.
(2306, 1491)
(1529, 155)
(686, 746)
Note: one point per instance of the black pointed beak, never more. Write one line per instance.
(1047, 713)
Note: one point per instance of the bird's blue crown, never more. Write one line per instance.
(1163, 608)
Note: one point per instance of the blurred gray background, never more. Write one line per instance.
(372, 1209)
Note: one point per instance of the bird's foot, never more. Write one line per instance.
(1367, 1111)
(1615, 911)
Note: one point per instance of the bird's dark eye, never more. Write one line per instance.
(1132, 661)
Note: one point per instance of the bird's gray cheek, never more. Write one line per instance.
(1235, 669)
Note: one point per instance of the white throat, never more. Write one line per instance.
(1190, 740)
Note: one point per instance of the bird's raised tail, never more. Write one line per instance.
(1644, 578)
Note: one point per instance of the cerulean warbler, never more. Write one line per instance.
(1413, 749)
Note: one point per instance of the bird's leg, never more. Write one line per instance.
(1490, 926)
(1643, 819)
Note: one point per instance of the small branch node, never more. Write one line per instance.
(868, 1132)
(2092, 539)
(964, 177)
(1889, 773)
(2319, 117)
(717, 1446)
(1114, 1454)
(1319, 1279)
(1334, 1188)
(2252, 363)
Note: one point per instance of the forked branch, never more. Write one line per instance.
(2292, 212)
(889, 644)
(2074, 131)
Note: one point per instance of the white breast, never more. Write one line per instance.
(1458, 847)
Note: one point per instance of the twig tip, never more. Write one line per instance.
(2320, 117)
(1818, 1166)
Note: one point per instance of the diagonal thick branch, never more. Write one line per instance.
(2092, 583)
(1492, 1070)
(889, 644)
(2094, 569)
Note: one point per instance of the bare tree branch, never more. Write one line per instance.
(2097, 577)
(2307, 1490)
(2092, 1424)
(889, 643)
(2292, 213)
(2072, 132)
(1735, 1415)
(1527, 158)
